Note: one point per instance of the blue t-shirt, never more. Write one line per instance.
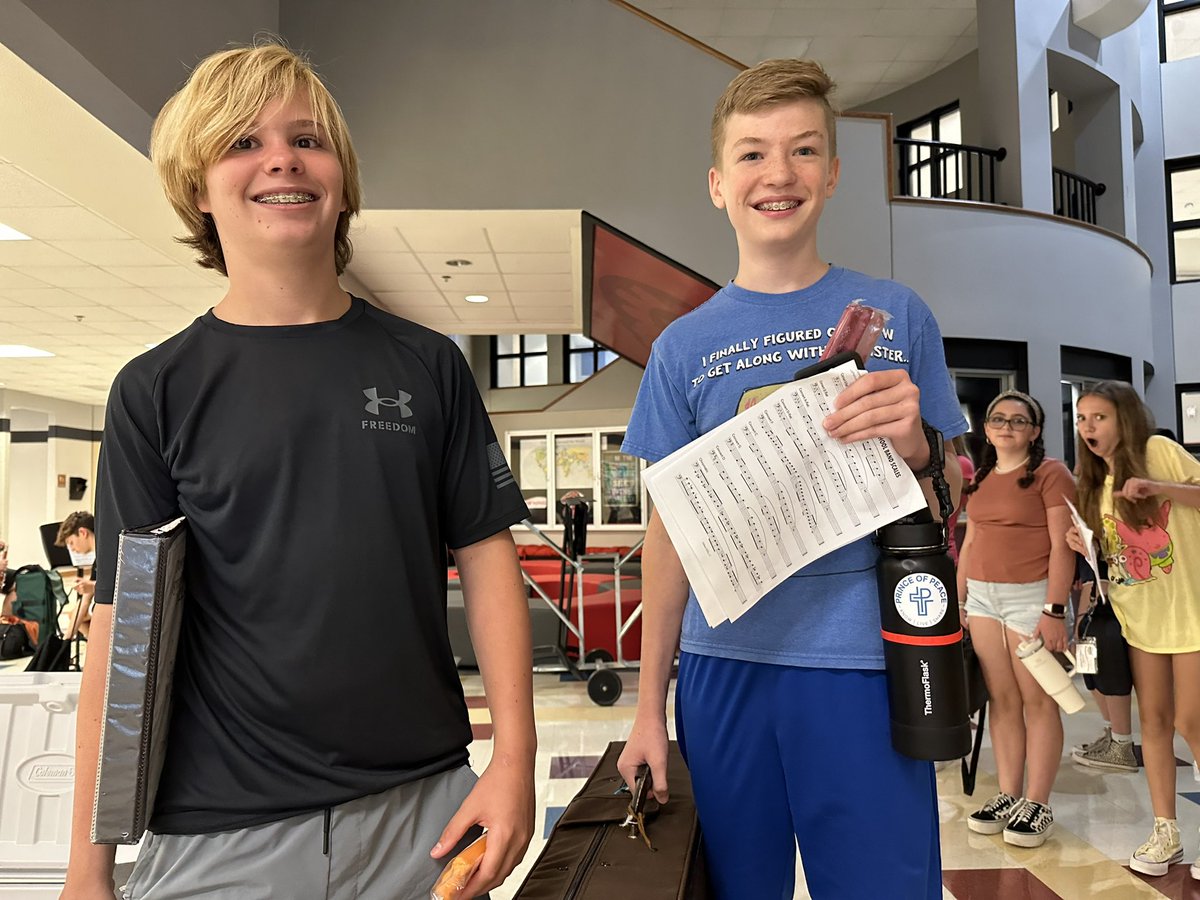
(698, 376)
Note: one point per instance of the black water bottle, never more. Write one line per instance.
(922, 636)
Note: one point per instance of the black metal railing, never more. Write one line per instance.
(1075, 196)
(945, 171)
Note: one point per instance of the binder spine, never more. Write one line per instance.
(107, 686)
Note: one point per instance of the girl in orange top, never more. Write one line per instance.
(1014, 574)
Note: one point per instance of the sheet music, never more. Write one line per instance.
(1089, 540)
(755, 500)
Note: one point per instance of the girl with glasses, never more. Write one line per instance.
(1014, 574)
(1139, 493)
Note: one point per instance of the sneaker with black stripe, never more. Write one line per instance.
(1030, 825)
(993, 816)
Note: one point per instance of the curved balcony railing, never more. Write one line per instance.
(1075, 196)
(944, 171)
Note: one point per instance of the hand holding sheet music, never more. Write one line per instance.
(753, 501)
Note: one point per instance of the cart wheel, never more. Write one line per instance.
(604, 687)
(599, 655)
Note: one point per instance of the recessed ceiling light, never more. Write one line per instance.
(477, 298)
(11, 234)
(151, 346)
(458, 263)
(20, 351)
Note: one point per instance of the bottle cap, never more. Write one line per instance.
(913, 532)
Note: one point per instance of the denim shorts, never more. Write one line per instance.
(1017, 606)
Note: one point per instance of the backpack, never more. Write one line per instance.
(14, 639)
(40, 598)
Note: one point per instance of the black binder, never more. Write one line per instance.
(146, 618)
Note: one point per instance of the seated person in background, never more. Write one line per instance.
(78, 534)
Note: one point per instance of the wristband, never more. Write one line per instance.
(1055, 609)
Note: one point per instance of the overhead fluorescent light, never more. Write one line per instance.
(20, 351)
(11, 234)
(477, 298)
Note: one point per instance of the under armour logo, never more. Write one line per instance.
(921, 596)
(375, 401)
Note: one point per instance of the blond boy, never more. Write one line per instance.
(782, 715)
(318, 745)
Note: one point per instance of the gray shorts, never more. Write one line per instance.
(378, 849)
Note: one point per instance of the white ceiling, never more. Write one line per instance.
(102, 275)
(869, 47)
(525, 261)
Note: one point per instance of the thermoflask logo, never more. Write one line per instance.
(921, 599)
(374, 401)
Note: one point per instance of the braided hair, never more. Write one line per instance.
(1037, 448)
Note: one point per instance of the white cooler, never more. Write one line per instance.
(37, 777)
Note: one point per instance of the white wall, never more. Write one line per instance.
(30, 501)
(1013, 276)
(29, 491)
(1181, 124)
(1187, 332)
(958, 81)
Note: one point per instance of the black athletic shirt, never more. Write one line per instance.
(323, 469)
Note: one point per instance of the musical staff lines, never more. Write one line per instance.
(753, 501)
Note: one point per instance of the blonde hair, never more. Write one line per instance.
(219, 102)
(770, 82)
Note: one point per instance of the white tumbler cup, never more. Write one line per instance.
(1050, 674)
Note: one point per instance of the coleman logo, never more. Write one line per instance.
(47, 773)
(374, 401)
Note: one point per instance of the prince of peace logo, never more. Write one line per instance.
(921, 599)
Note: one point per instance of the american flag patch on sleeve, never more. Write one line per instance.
(501, 474)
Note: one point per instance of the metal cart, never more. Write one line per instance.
(597, 666)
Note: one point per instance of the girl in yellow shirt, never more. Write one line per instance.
(1140, 495)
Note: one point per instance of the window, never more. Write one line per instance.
(587, 463)
(583, 358)
(1180, 30)
(1183, 215)
(519, 360)
(931, 171)
(1060, 107)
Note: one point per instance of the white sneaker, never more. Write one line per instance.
(1079, 749)
(1164, 848)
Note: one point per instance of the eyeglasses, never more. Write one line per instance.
(1016, 423)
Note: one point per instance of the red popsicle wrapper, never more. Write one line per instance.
(858, 330)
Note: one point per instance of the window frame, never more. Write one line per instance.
(569, 352)
(935, 162)
(1171, 167)
(1165, 11)
(495, 356)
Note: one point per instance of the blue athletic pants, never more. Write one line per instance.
(781, 755)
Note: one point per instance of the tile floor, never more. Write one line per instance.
(1099, 817)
